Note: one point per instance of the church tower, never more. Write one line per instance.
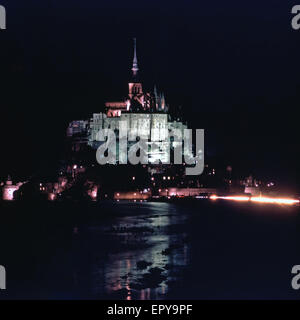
(135, 87)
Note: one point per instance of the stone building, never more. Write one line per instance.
(145, 113)
(8, 189)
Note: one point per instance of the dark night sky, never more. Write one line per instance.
(233, 66)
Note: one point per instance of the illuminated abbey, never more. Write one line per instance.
(144, 113)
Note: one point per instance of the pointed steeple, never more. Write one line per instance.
(163, 101)
(155, 91)
(135, 67)
(135, 86)
(155, 98)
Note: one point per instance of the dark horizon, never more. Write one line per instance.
(232, 68)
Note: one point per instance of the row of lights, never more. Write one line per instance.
(153, 179)
(258, 199)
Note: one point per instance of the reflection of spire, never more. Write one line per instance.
(135, 67)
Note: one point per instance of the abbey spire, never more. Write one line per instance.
(135, 67)
(135, 86)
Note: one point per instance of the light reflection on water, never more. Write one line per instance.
(144, 238)
(154, 251)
